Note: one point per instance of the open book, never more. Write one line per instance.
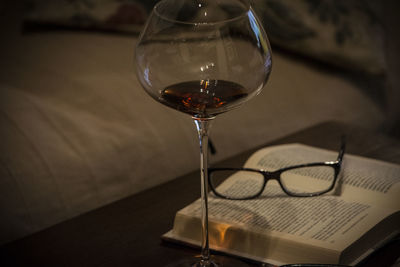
(342, 226)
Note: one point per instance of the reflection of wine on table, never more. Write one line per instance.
(205, 98)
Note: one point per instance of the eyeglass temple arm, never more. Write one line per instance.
(342, 148)
(211, 146)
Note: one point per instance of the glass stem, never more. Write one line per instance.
(203, 126)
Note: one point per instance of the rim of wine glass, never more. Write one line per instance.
(238, 17)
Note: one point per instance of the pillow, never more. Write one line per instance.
(344, 33)
(109, 15)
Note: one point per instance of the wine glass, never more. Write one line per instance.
(203, 58)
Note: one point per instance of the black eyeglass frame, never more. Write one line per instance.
(276, 175)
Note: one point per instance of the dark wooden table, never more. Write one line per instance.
(127, 232)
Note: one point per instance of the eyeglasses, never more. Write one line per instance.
(247, 183)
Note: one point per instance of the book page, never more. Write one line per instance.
(364, 206)
(326, 221)
(361, 179)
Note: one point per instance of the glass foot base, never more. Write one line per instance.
(216, 261)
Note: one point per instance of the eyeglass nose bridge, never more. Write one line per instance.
(272, 175)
